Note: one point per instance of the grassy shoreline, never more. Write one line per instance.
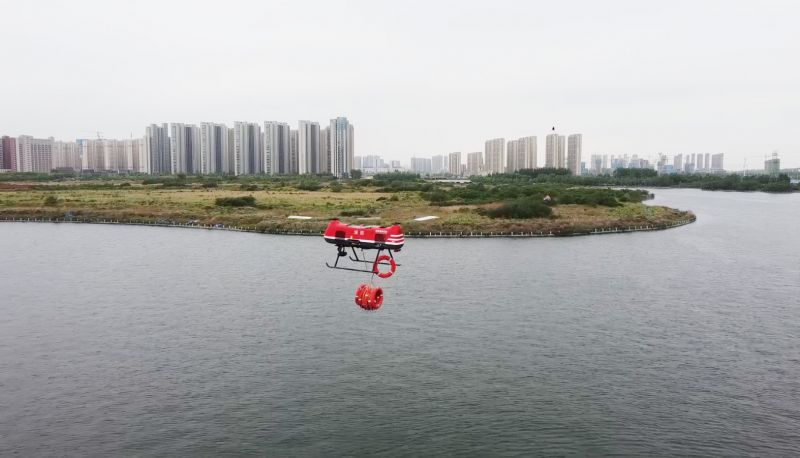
(270, 207)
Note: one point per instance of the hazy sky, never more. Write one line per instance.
(416, 77)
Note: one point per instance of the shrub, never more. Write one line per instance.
(519, 209)
(363, 211)
(209, 184)
(51, 200)
(308, 185)
(241, 201)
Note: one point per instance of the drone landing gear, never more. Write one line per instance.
(369, 266)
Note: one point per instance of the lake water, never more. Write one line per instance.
(158, 341)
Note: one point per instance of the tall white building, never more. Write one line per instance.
(325, 150)
(34, 154)
(439, 164)
(341, 146)
(554, 151)
(717, 162)
(66, 155)
(511, 157)
(114, 156)
(185, 152)
(308, 156)
(157, 141)
(521, 154)
(474, 163)
(454, 164)
(277, 146)
(526, 152)
(92, 154)
(294, 144)
(421, 165)
(213, 148)
(677, 163)
(574, 151)
(494, 152)
(136, 150)
(247, 149)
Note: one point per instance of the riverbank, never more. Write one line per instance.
(471, 234)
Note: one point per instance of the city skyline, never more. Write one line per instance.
(635, 79)
(213, 148)
(181, 148)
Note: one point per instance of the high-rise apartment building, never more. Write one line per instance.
(474, 163)
(454, 164)
(421, 165)
(308, 147)
(92, 154)
(34, 154)
(521, 154)
(677, 162)
(772, 166)
(294, 143)
(526, 153)
(232, 162)
(596, 164)
(277, 147)
(716, 162)
(511, 157)
(439, 164)
(247, 149)
(708, 161)
(185, 154)
(325, 150)
(213, 148)
(9, 154)
(66, 156)
(371, 161)
(494, 152)
(158, 149)
(341, 146)
(554, 151)
(115, 156)
(136, 151)
(574, 152)
(698, 166)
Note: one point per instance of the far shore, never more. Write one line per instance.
(304, 205)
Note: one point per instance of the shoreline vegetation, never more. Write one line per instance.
(499, 205)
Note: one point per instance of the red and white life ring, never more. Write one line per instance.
(392, 266)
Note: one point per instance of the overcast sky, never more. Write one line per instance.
(416, 77)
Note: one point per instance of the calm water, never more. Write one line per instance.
(157, 341)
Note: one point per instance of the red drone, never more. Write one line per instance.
(389, 239)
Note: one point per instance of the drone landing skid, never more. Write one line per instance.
(370, 267)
